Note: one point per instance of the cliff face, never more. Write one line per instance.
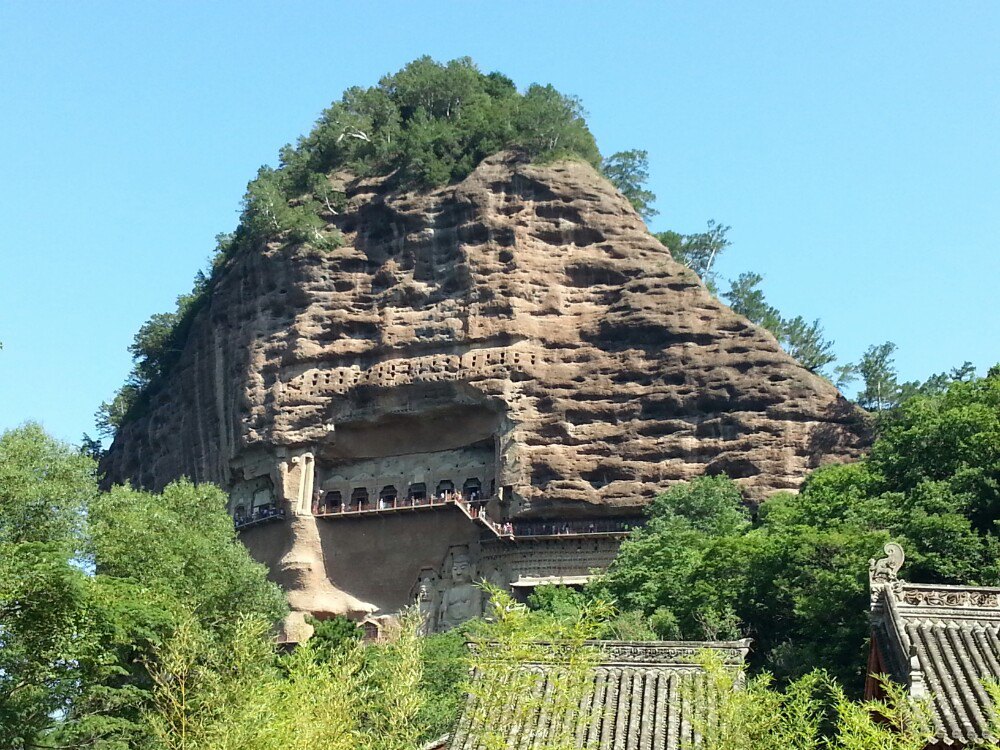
(521, 328)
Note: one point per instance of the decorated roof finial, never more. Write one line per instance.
(886, 569)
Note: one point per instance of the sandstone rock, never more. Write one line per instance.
(521, 329)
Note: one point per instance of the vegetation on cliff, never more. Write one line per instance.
(426, 125)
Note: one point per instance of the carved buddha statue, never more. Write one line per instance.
(461, 601)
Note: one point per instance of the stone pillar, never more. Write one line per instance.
(301, 570)
(301, 477)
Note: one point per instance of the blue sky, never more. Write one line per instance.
(853, 148)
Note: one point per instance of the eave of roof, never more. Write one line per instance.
(944, 641)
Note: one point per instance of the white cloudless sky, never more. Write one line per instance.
(853, 148)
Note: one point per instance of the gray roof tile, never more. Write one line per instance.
(635, 701)
(942, 642)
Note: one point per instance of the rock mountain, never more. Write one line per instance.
(518, 335)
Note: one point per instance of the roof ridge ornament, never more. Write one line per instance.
(885, 570)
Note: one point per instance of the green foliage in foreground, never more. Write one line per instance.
(214, 698)
(442, 684)
(240, 694)
(132, 620)
(795, 577)
(810, 713)
(506, 695)
(92, 585)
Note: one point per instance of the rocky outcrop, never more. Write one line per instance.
(522, 322)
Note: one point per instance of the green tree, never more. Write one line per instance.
(803, 341)
(877, 370)
(560, 602)
(42, 610)
(550, 125)
(112, 414)
(91, 585)
(91, 447)
(181, 544)
(794, 579)
(807, 343)
(629, 172)
(943, 451)
(443, 681)
(746, 298)
(699, 251)
(936, 384)
(44, 488)
(334, 633)
(669, 570)
(150, 345)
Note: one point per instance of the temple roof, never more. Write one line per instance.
(635, 700)
(941, 642)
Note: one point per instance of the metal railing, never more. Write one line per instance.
(576, 527)
(389, 504)
(260, 515)
(475, 509)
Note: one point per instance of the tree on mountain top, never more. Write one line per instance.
(426, 125)
(699, 251)
(629, 172)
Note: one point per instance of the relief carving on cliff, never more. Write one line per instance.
(426, 596)
(461, 598)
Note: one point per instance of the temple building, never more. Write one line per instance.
(939, 641)
(640, 698)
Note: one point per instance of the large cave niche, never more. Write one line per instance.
(251, 497)
(409, 457)
(444, 428)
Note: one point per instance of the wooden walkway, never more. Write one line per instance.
(530, 530)
(472, 512)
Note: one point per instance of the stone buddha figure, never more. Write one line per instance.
(462, 599)
(426, 597)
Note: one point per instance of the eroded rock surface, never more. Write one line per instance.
(521, 329)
